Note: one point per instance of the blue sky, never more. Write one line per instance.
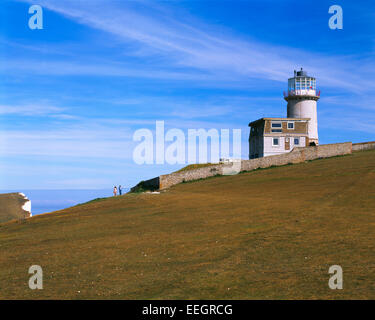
(72, 94)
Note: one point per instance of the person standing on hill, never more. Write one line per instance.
(119, 190)
(115, 191)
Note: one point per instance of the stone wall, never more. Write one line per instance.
(168, 180)
(363, 146)
(297, 155)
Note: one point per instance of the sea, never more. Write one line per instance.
(43, 201)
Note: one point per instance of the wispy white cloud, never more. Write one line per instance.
(88, 139)
(202, 51)
(30, 110)
(355, 122)
(364, 102)
(99, 68)
(152, 42)
(36, 110)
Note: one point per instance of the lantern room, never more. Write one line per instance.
(301, 84)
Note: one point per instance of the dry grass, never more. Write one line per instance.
(267, 234)
(195, 166)
(11, 207)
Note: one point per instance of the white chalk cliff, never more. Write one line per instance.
(27, 205)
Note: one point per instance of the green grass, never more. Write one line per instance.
(196, 166)
(265, 234)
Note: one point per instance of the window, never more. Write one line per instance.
(291, 85)
(296, 141)
(275, 141)
(291, 125)
(276, 127)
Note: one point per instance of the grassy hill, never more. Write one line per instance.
(11, 207)
(266, 234)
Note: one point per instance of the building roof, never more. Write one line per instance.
(278, 119)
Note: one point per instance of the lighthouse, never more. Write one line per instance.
(272, 136)
(302, 98)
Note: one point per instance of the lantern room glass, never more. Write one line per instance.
(301, 83)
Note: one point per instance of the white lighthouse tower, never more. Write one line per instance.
(302, 97)
(271, 136)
